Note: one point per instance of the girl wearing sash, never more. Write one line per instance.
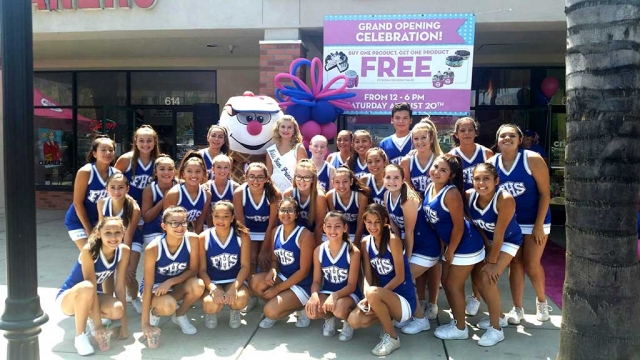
(286, 151)
(225, 265)
(422, 246)
(350, 196)
(494, 211)
(218, 138)
(318, 148)
(444, 209)
(190, 194)
(170, 269)
(336, 266)
(388, 290)
(416, 165)
(524, 174)
(358, 160)
(221, 187)
(152, 202)
(376, 163)
(312, 201)
(287, 285)
(88, 187)
(80, 296)
(344, 142)
(120, 204)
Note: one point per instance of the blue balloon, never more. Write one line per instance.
(324, 112)
(302, 113)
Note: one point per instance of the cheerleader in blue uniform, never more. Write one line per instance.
(311, 199)
(357, 162)
(344, 143)
(318, 149)
(493, 211)
(392, 296)
(336, 266)
(376, 162)
(444, 209)
(287, 285)
(524, 175)
(191, 194)
(170, 269)
(424, 137)
(422, 246)
(222, 186)
(79, 296)
(153, 195)
(225, 265)
(349, 196)
(218, 139)
(120, 204)
(88, 187)
(398, 145)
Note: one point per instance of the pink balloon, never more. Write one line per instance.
(549, 86)
(310, 129)
(329, 130)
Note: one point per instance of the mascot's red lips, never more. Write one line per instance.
(250, 147)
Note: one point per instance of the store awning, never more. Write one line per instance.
(53, 111)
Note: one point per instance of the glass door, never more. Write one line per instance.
(183, 121)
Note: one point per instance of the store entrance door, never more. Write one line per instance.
(173, 126)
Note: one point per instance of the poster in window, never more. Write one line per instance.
(49, 146)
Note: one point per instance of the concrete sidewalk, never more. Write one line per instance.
(57, 253)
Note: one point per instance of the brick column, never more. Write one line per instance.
(275, 58)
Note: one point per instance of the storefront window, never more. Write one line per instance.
(102, 88)
(556, 157)
(89, 125)
(52, 89)
(496, 87)
(173, 88)
(53, 133)
(559, 97)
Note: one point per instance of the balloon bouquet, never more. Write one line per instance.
(548, 88)
(315, 108)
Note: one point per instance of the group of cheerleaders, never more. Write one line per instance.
(344, 240)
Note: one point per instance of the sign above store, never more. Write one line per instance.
(423, 59)
(57, 5)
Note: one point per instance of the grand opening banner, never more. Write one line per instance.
(423, 59)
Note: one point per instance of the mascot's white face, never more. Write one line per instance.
(250, 121)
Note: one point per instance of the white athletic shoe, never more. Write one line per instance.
(432, 311)
(234, 319)
(542, 310)
(473, 305)
(442, 327)
(491, 337)
(386, 346)
(515, 316)
(416, 326)
(400, 325)
(485, 323)
(83, 345)
(347, 332)
(184, 323)
(211, 321)
(137, 304)
(267, 323)
(452, 332)
(153, 319)
(251, 303)
(303, 320)
(329, 327)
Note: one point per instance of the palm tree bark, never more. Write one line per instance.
(601, 295)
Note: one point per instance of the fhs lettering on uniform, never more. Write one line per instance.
(514, 188)
(285, 257)
(383, 266)
(140, 181)
(224, 261)
(173, 269)
(102, 276)
(194, 214)
(378, 201)
(258, 218)
(432, 215)
(351, 217)
(398, 220)
(420, 182)
(335, 275)
(95, 195)
(487, 226)
(467, 175)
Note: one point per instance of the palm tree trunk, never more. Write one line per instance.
(601, 294)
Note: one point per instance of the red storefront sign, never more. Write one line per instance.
(56, 5)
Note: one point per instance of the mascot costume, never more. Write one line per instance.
(250, 118)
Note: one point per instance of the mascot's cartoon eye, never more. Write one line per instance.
(246, 118)
(263, 118)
